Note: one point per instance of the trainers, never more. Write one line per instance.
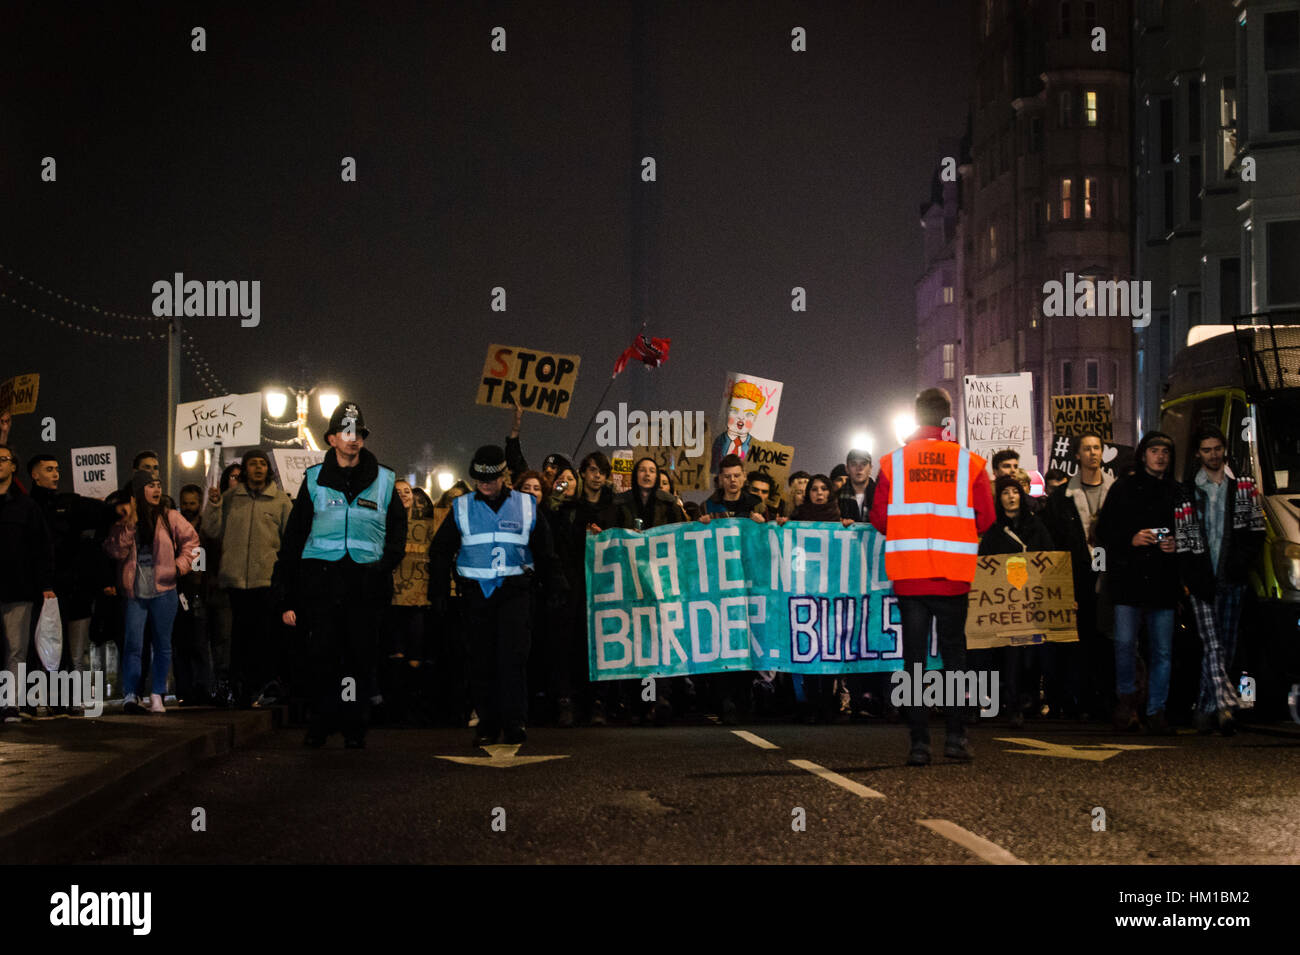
(473, 719)
(11, 715)
(919, 755)
(958, 748)
(1227, 723)
(485, 736)
(131, 706)
(516, 734)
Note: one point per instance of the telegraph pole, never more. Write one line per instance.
(173, 397)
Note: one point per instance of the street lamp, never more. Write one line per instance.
(904, 426)
(189, 459)
(445, 480)
(862, 441)
(329, 400)
(277, 402)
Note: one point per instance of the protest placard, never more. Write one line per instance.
(689, 473)
(1075, 414)
(232, 420)
(1114, 457)
(1021, 599)
(94, 471)
(1000, 415)
(291, 464)
(771, 458)
(749, 393)
(18, 394)
(411, 578)
(621, 465)
(806, 597)
(536, 380)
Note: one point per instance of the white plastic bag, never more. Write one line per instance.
(49, 635)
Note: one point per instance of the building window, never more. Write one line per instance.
(949, 361)
(1067, 377)
(1090, 371)
(1194, 187)
(947, 295)
(1282, 69)
(1067, 198)
(1169, 199)
(1036, 212)
(1090, 107)
(1283, 252)
(1063, 28)
(1087, 284)
(1035, 134)
(1047, 212)
(1227, 122)
(1065, 103)
(1089, 197)
(1089, 16)
(1193, 111)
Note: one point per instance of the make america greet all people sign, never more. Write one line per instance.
(733, 594)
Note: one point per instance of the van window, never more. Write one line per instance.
(1277, 428)
(1183, 420)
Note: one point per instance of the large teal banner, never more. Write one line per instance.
(807, 597)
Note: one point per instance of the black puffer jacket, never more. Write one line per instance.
(663, 509)
(1140, 576)
(73, 522)
(26, 551)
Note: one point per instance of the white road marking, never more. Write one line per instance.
(988, 851)
(501, 756)
(756, 740)
(842, 781)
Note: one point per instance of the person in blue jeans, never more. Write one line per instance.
(1137, 527)
(153, 546)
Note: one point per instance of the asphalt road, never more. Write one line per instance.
(703, 793)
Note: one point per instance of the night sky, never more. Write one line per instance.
(476, 169)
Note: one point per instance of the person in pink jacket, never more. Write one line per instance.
(153, 545)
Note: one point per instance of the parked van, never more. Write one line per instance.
(1246, 381)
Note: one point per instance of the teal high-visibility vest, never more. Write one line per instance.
(355, 529)
(494, 544)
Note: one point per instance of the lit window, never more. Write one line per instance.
(947, 295)
(1090, 107)
(949, 361)
(1089, 197)
(993, 245)
(1067, 194)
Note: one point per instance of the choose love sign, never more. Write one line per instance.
(233, 420)
(735, 595)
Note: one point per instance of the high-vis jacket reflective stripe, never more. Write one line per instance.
(357, 529)
(931, 529)
(494, 544)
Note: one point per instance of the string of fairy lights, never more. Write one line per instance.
(157, 333)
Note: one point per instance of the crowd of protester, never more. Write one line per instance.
(186, 588)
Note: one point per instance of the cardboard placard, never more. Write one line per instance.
(689, 473)
(621, 464)
(1000, 415)
(773, 459)
(534, 379)
(291, 464)
(1114, 457)
(1075, 414)
(232, 420)
(18, 394)
(94, 471)
(1021, 599)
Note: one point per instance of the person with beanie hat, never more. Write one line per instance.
(248, 521)
(1137, 529)
(153, 546)
(345, 536)
(496, 543)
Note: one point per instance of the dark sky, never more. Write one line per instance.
(476, 169)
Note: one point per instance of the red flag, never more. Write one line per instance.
(652, 351)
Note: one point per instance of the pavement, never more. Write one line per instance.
(60, 776)
(1052, 792)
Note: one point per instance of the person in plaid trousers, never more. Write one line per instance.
(1220, 528)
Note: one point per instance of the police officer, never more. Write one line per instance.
(334, 573)
(932, 501)
(497, 543)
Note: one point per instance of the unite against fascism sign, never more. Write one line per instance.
(535, 380)
(1075, 414)
(1021, 598)
(806, 597)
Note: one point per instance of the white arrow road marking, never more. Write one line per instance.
(1096, 752)
(501, 756)
(988, 851)
(842, 781)
(756, 740)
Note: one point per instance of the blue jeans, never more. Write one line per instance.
(1160, 637)
(161, 610)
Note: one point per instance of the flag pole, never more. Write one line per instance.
(574, 458)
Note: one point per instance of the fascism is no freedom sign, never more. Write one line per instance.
(736, 595)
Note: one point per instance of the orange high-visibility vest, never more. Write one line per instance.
(931, 530)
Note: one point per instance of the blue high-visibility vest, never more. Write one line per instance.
(356, 529)
(494, 544)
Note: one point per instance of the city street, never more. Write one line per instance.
(706, 794)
